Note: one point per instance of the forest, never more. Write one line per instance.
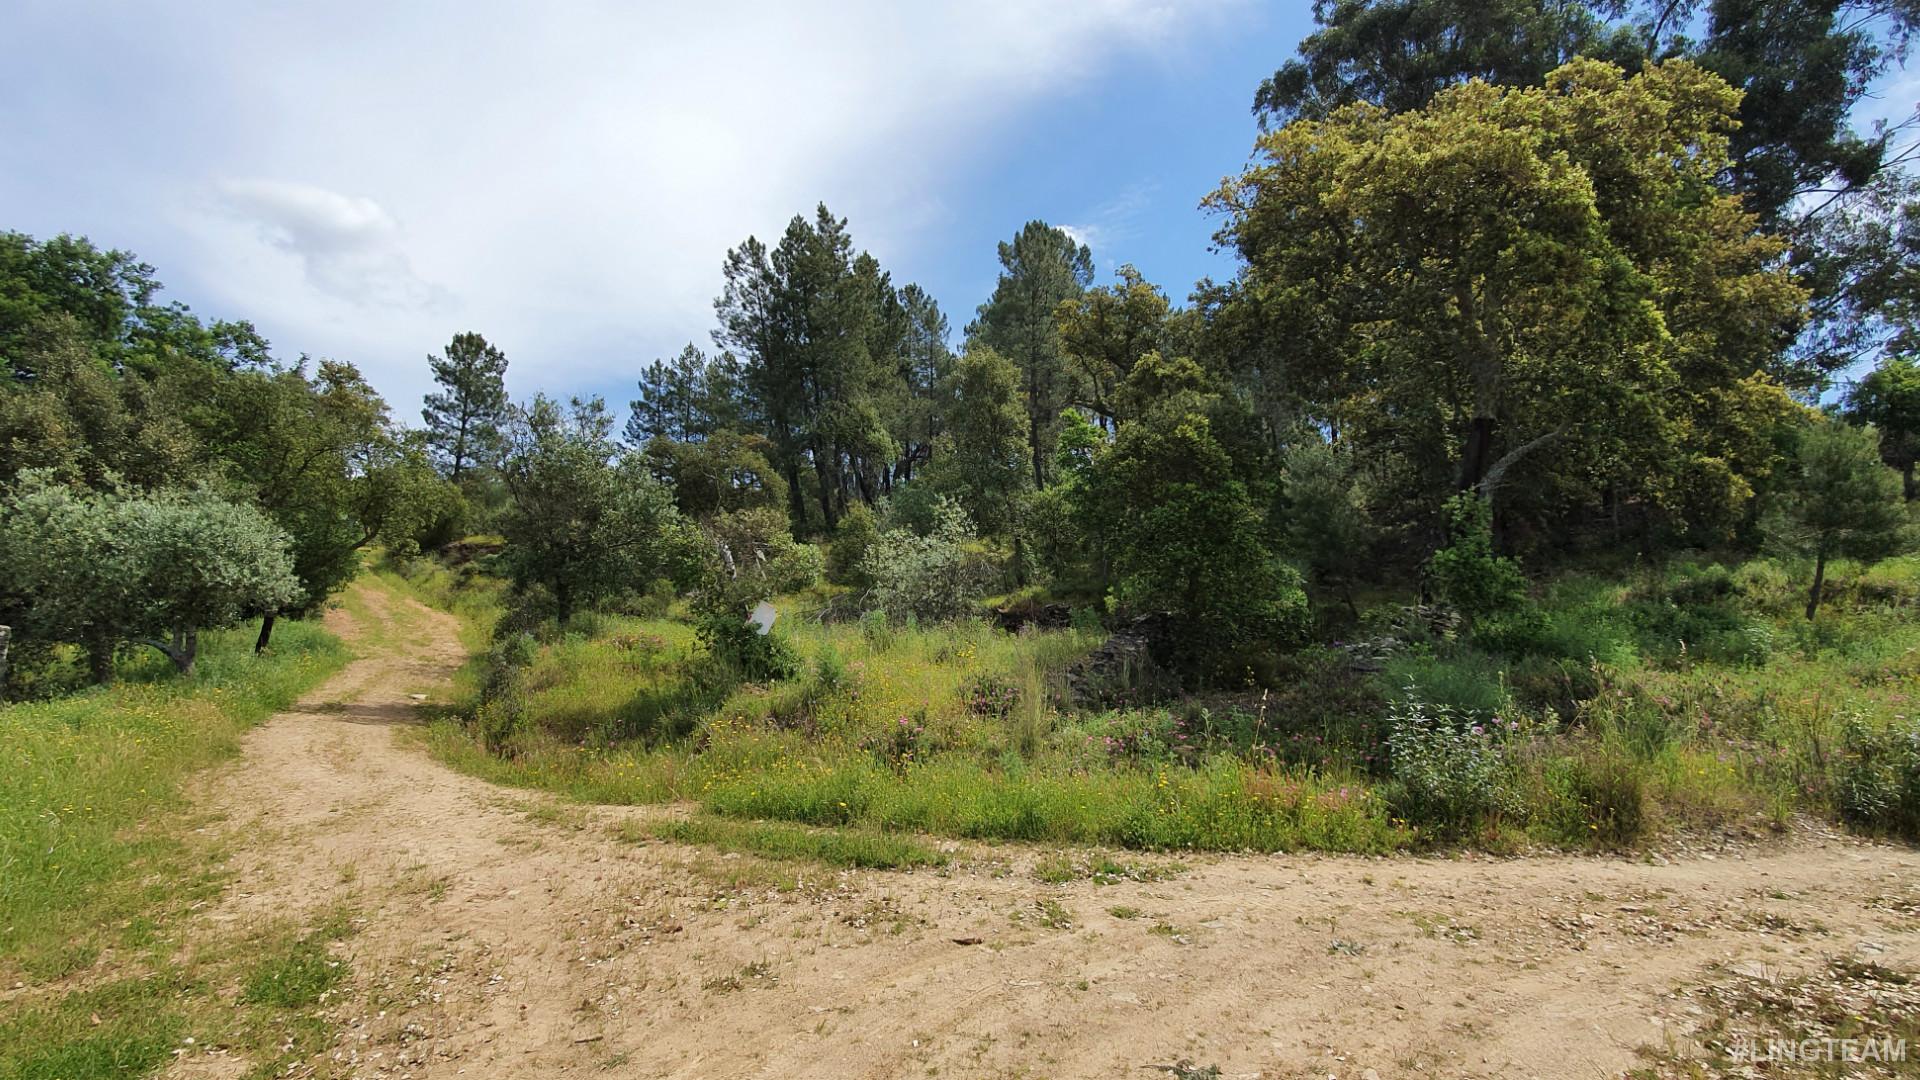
(1544, 474)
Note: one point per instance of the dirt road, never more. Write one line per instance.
(504, 935)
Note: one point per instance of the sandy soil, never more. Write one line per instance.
(504, 935)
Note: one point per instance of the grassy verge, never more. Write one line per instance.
(98, 867)
(90, 800)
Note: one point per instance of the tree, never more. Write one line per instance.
(1801, 66)
(1105, 332)
(1889, 399)
(203, 562)
(1182, 531)
(463, 419)
(1398, 54)
(1843, 503)
(686, 399)
(822, 338)
(723, 473)
(1508, 269)
(318, 453)
(104, 567)
(77, 416)
(584, 522)
(925, 363)
(1863, 262)
(1326, 524)
(982, 456)
(1041, 268)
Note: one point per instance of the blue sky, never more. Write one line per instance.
(363, 180)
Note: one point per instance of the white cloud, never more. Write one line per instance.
(349, 246)
(365, 179)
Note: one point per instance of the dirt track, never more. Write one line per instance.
(503, 935)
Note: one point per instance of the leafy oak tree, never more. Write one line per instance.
(584, 522)
(1505, 269)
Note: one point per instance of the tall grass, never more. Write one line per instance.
(1689, 696)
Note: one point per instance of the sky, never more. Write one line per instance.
(364, 180)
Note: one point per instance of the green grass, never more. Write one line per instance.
(296, 976)
(849, 848)
(1693, 696)
(99, 871)
(90, 798)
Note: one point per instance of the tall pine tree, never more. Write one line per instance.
(1039, 269)
(463, 420)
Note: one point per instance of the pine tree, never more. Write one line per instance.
(1040, 268)
(463, 422)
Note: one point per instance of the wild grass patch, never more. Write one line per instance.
(853, 849)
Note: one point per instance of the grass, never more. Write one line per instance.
(100, 870)
(1692, 696)
(853, 849)
(90, 800)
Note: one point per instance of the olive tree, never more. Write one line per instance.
(103, 568)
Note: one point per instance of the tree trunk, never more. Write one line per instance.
(266, 634)
(1473, 458)
(796, 499)
(826, 483)
(100, 660)
(562, 603)
(1819, 580)
(1907, 481)
(6, 640)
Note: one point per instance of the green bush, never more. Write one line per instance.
(1611, 795)
(1877, 778)
(933, 578)
(1449, 773)
(1467, 573)
(847, 555)
(745, 651)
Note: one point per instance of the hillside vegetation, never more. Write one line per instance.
(1692, 697)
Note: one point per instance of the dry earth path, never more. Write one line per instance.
(507, 935)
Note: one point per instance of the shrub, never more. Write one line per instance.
(742, 648)
(1086, 620)
(1467, 573)
(933, 578)
(1877, 781)
(502, 713)
(1448, 772)
(877, 632)
(847, 555)
(1611, 795)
